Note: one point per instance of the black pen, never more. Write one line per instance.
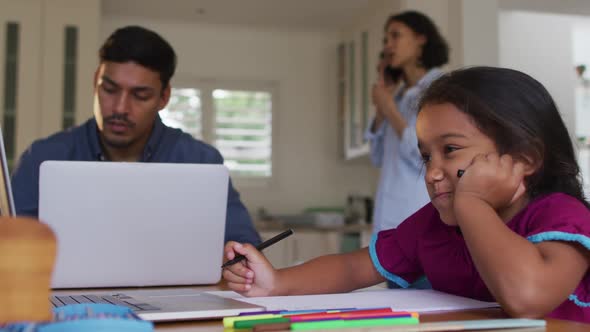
(260, 247)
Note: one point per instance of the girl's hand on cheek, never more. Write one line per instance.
(497, 180)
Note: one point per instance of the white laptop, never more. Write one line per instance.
(134, 225)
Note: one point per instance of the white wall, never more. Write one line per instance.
(541, 46)
(581, 56)
(581, 44)
(308, 169)
(469, 26)
(480, 32)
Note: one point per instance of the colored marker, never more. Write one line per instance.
(254, 313)
(356, 313)
(353, 316)
(251, 320)
(248, 324)
(294, 312)
(482, 324)
(228, 322)
(272, 327)
(336, 324)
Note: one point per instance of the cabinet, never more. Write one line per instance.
(38, 82)
(354, 94)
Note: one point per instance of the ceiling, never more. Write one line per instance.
(308, 14)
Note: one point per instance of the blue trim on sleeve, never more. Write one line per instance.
(574, 298)
(560, 236)
(390, 276)
(563, 236)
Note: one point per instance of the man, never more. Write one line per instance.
(131, 85)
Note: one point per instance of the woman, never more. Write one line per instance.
(415, 49)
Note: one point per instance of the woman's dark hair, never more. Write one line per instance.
(519, 115)
(142, 46)
(435, 52)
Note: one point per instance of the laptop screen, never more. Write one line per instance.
(134, 224)
(6, 199)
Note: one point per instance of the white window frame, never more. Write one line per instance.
(207, 86)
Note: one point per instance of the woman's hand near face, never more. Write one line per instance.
(497, 180)
(382, 96)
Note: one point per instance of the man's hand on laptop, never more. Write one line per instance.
(253, 276)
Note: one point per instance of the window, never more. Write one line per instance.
(238, 122)
(69, 83)
(184, 111)
(243, 131)
(11, 49)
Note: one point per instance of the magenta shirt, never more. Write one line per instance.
(424, 245)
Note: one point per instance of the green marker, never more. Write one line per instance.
(228, 322)
(338, 324)
(248, 324)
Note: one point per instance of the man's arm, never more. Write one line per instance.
(238, 224)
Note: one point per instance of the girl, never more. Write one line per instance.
(413, 49)
(507, 219)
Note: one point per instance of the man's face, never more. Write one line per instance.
(127, 99)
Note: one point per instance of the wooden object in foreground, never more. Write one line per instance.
(27, 257)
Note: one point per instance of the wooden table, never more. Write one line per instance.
(553, 325)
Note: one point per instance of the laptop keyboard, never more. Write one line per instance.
(117, 299)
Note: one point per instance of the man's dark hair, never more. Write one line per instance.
(435, 52)
(142, 46)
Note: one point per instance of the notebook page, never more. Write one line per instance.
(418, 300)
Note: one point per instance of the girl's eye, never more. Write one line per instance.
(450, 148)
(425, 158)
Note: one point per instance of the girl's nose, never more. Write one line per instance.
(434, 174)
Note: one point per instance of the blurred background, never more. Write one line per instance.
(281, 88)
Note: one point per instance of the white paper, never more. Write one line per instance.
(415, 300)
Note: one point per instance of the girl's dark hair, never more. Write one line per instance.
(519, 115)
(435, 52)
(142, 46)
